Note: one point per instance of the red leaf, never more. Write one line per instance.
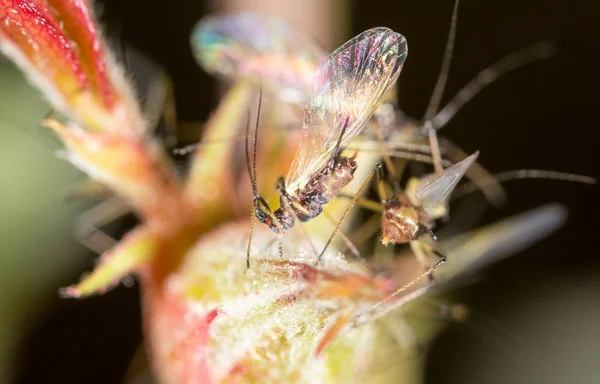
(33, 28)
(58, 45)
(80, 27)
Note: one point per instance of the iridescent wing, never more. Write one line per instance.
(347, 89)
(261, 49)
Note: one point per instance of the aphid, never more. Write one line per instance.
(247, 39)
(478, 249)
(267, 51)
(346, 90)
(409, 214)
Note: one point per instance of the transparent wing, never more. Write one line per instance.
(435, 190)
(347, 89)
(473, 251)
(263, 49)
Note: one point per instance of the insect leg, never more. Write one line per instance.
(399, 143)
(307, 237)
(344, 238)
(367, 230)
(381, 185)
(421, 256)
(345, 214)
(438, 91)
(371, 205)
(492, 189)
(407, 155)
(532, 53)
(261, 206)
(435, 148)
(409, 297)
(387, 159)
(88, 224)
(421, 251)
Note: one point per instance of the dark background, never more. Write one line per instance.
(541, 116)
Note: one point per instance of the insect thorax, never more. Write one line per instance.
(402, 221)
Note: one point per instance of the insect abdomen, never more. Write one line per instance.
(324, 186)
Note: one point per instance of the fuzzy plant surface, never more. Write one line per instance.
(207, 318)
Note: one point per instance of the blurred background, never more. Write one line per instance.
(535, 316)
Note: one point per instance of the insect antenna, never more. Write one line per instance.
(252, 176)
(350, 206)
(440, 86)
(520, 175)
(438, 91)
(185, 149)
(529, 54)
(252, 169)
(258, 203)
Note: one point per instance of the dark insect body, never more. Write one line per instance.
(308, 203)
(346, 90)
